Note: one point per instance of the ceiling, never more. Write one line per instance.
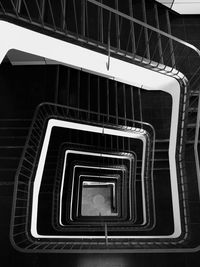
(187, 7)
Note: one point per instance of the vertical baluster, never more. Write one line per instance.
(27, 10)
(68, 86)
(117, 25)
(57, 84)
(52, 14)
(19, 4)
(145, 30)
(116, 104)
(87, 23)
(98, 98)
(158, 34)
(75, 17)
(101, 24)
(89, 106)
(140, 104)
(15, 8)
(170, 40)
(132, 104)
(63, 18)
(83, 6)
(109, 26)
(39, 13)
(124, 103)
(108, 100)
(78, 90)
(133, 43)
(42, 7)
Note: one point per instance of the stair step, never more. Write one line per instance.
(13, 131)
(11, 151)
(194, 92)
(8, 162)
(161, 154)
(191, 125)
(24, 123)
(7, 174)
(12, 141)
(193, 109)
(189, 142)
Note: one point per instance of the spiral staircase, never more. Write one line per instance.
(138, 34)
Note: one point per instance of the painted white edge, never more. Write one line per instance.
(183, 7)
(91, 167)
(105, 177)
(82, 127)
(19, 38)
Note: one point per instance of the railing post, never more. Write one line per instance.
(196, 145)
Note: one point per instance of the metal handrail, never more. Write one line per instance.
(42, 114)
(195, 49)
(117, 12)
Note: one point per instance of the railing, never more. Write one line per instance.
(118, 35)
(23, 208)
(196, 142)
